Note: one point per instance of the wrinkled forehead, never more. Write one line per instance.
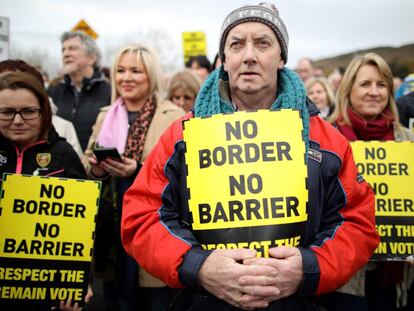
(75, 43)
(251, 29)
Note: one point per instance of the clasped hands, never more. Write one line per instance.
(245, 281)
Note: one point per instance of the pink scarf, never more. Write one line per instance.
(114, 131)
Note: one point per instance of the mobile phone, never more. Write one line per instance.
(104, 153)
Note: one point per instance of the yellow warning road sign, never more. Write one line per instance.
(83, 26)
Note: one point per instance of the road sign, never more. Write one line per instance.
(194, 43)
(4, 38)
(83, 26)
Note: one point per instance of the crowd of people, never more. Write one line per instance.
(146, 253)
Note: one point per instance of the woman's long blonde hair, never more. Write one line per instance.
(152, 66)
(324, 83)
(186, 80)
(348, 80)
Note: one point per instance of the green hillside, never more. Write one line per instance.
(401, 59)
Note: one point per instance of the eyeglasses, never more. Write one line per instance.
(8, 114)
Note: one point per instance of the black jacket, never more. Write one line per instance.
(52, 157)
(405, 105)
(81, 108)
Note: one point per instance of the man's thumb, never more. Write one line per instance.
(281, 252)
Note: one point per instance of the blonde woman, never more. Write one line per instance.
(132, 124)
(183, 89)
(366, 110)
(319, 91)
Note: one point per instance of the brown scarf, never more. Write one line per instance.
(138, 130)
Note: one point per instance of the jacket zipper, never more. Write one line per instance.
(19, 165)
(19, 161)
(76, 103)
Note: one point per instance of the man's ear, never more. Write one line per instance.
(92, 59)
(223, 62)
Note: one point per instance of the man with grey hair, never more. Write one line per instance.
(83, 90)
(305, 68)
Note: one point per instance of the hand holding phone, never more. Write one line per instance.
(104, 153)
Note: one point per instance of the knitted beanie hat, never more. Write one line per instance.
(263, 13)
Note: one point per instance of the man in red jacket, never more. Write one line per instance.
(158, 228)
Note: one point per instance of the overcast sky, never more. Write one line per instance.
(317, 28)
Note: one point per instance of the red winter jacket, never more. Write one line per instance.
(340, 234)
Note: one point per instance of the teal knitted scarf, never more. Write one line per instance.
(291, 94)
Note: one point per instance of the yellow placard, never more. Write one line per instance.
(47, 227)
(389, 168)
(194, 43)
(47, 218)
(82, 25)
(246, 169)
